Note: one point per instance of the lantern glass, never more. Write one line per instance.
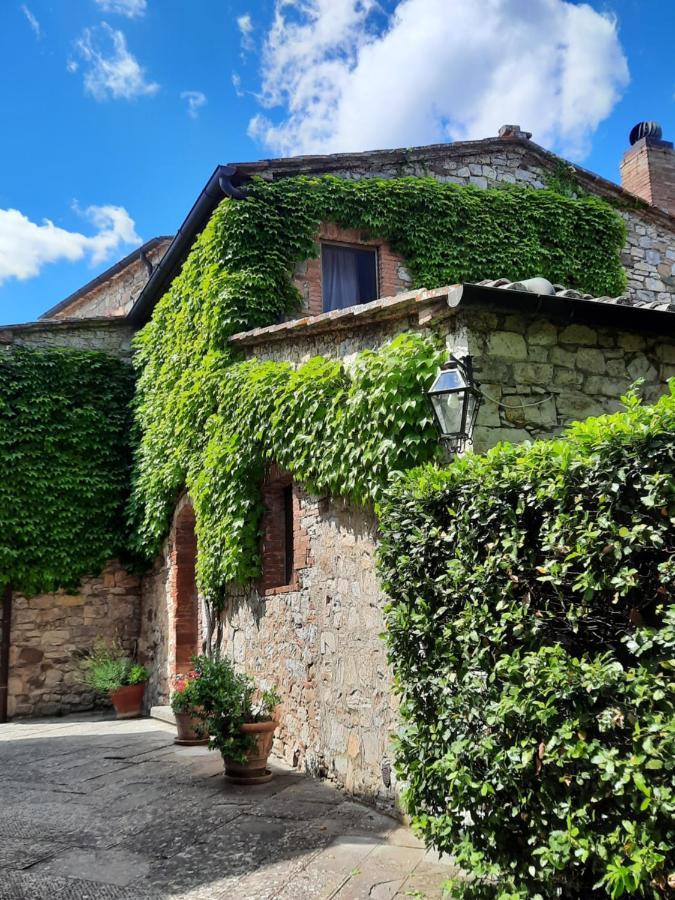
(449, 409)
(455, 402)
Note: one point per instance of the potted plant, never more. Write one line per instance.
(185, 704)
(108, 670)
(240, 719)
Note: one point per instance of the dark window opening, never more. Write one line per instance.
(288, 534)
(348, 276)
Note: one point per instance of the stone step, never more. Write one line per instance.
(163, 713)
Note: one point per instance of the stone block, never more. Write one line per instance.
(641, 367)
(596, 385)
(579, 334)
(45, 601)
(590, 360)
(666, 353)
(533, 373)
(578, 405)
(29, 656)
(507, 345)
(532, 412)
(71, 600)
(631, 342)
(488, 437)
(542, 333)
(564, 358)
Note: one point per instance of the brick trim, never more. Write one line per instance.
(274, 579)
(307, 277)
(184, 597)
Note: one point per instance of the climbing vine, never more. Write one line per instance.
(64, 465)
(239, 276)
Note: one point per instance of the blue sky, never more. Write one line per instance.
(116, 111)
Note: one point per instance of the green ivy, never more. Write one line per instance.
(239, 276)
(532, 635)
(305, 420)
(64, 465)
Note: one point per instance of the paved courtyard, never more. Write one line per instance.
(105, 810)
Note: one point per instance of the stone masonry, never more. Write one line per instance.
(114, 295)
(50, 630)
(112, 336)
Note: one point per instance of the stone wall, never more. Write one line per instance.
(320, 646)
(108, 336)
(538, 375)
(49, 630)
(116, 295)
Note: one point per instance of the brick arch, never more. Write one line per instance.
(184, 596)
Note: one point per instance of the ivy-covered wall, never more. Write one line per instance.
(64, 465)
(238, 276)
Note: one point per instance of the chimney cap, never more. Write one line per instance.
(513, 132)
(650, 130)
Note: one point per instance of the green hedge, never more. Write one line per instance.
(532, 634)
(64, 465)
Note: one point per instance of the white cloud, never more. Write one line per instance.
(195, 100)
(130, 8)
(32, 21)
(236, 84)
(245, 25)
(433, 70)
(111, 71)
(26, 246)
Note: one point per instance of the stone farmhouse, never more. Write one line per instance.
(544, 355)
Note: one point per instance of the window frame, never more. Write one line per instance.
(373, 249)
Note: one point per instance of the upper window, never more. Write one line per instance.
(348, 276)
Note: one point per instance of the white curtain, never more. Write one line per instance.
(340, 278)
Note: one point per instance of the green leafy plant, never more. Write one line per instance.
(64, 465)
(532, 634)
(137, 674)
(210, 423)
(227, 700)
(107, 667)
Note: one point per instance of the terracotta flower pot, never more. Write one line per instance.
(254, 770)
(128, 700)
(186, 733)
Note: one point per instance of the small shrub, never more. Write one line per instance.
(227, 700)
(532, 634)
(107, 668)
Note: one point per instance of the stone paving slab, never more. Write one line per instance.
(96, 809)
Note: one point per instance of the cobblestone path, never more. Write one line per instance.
(105, 810)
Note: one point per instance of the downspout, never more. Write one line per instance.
(4, 650)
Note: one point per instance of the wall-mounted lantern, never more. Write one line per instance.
(455, 401)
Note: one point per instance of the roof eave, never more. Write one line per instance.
(222, 183)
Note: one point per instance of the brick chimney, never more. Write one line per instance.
(648, 168)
